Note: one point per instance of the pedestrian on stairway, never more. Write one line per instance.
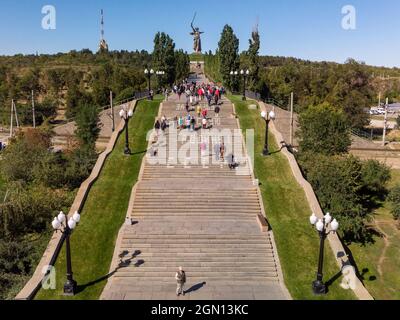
(188, 122)
(204, 123)
(163, 125)
(216, 96)
(180, 122)
(222, 152)
(157, 126)
(193, 124)
(180, 278)
(217, 110)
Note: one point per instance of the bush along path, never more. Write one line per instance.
(93, 241)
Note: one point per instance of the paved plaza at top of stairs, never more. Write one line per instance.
(200, 217)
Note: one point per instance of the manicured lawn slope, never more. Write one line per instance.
(288, 212)
(92, 243)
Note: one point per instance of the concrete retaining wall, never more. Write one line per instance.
(53, 248)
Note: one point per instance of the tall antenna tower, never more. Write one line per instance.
(255, 27)
(103, 43)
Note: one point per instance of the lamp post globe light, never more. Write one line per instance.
(60, 223)
(149, 74)
(267, 117)
(160, 74)
(245, 74)
(324, 226)
(126, 114)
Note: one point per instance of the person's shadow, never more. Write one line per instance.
(196, 287)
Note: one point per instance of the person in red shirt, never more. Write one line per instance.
(216, 96)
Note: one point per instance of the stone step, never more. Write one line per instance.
(194, 189)
(253, 281)
(203, 256)
(179, 251)
(175, 261)
(186, 243)
(198, 201)
(195, 218)
(162, 270)
(168, 265)
(166, 276)
(132, 234)
(195, 211)
(190, 206)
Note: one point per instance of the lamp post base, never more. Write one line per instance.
(70, 288)
(318, 287)
(265, 152)
(244, 98)
(127, 151)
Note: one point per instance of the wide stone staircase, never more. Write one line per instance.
(202, 217)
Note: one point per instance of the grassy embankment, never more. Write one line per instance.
(288, 212)
(93, 241)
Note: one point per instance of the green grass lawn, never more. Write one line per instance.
(93, 241)
(288, 213)
(196, 57)
(382, 282)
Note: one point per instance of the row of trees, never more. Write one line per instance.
(82, 78)
(37, 183)
(347, 187)
(352, 87)
(227, 59)
(331, 99)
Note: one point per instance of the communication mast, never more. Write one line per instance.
(103, 43)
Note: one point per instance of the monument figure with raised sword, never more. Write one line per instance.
(197, 37)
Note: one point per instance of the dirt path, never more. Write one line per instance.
(387, 244)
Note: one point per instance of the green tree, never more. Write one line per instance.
(324, 130)
(76, 97)
(340, 182)
(228, 51)
(24, 153)
(253, 60)
(394, 199)
(164, 57)
(182, 65)
(87, 121)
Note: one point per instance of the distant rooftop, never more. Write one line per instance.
(394, 105)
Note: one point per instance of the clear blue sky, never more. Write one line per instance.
(309, 29)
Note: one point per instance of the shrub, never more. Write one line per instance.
(347, 188)
(324, 130)
(394, 199)
(125, 94)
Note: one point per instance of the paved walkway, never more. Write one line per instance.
(203, 218)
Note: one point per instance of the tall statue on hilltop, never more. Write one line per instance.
(197, 37)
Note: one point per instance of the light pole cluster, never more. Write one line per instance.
(126, 114)
(60, 224)
(244, 74)
(324, 226)
(267, 117)
(149, 74)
